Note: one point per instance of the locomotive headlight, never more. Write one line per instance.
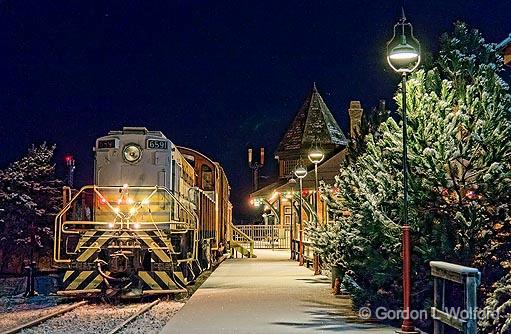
(132, 153)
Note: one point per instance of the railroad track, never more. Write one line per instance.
(43, 318)
(31, 325)
(130, 319)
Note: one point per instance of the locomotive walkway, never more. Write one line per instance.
(266, 295)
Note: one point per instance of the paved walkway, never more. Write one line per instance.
(267, 295)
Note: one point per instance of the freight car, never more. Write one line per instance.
(154, 219)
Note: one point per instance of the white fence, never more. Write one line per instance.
(267, 236)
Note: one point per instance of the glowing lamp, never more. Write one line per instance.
(300, 172)
(403, 50)
(316, 156)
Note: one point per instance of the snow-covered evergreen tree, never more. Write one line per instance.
(459, 139)
(497, 310)
(30, 196)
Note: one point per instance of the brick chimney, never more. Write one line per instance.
(355, 112)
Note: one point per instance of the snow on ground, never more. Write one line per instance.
(92, 318)
(16, 310)
(19, 316)
(10, 286)
(101, 318)
(86, 319)
(154, 320)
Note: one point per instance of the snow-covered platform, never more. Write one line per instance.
(269, 294)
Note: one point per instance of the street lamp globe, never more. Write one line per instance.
(316, 155)
(403, 50)
(300, 172)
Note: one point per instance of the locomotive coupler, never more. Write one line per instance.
(109, 278)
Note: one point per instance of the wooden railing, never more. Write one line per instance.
(469, 279)
(267, 236)
(308, 252)
(240, 242)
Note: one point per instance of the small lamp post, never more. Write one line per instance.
(300, 173)
(292, 183)
(403, 56)
(316, 156)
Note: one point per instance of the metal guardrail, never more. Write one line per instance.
(469, 278)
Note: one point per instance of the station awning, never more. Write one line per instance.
(326, 172)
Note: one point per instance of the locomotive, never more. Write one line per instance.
(154, 219)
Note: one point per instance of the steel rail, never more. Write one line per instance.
(44, 318)
(130, 319)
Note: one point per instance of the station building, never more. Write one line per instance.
(314, 126)
(505, 49)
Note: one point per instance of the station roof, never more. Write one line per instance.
(505, 49)
(326, 172)
(505, 43)
(269, 189)
(313, 123)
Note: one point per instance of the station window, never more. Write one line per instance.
(286, 167)
(207, 178)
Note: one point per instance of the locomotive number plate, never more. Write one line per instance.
(109, 143)
(157, 144)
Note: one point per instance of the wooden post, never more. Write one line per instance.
(438, 302)
(471, 284)
(469, 278)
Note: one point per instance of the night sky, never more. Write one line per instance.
(217, 76)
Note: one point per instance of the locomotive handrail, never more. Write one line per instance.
(59, 224)
(195, 248)
(58, 221)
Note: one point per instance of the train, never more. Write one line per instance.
(155, 217)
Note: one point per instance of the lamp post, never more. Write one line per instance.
(316, 156)
(300, 173)
(403, 56)
(292, 183)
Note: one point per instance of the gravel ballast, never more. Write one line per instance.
(101, 318)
